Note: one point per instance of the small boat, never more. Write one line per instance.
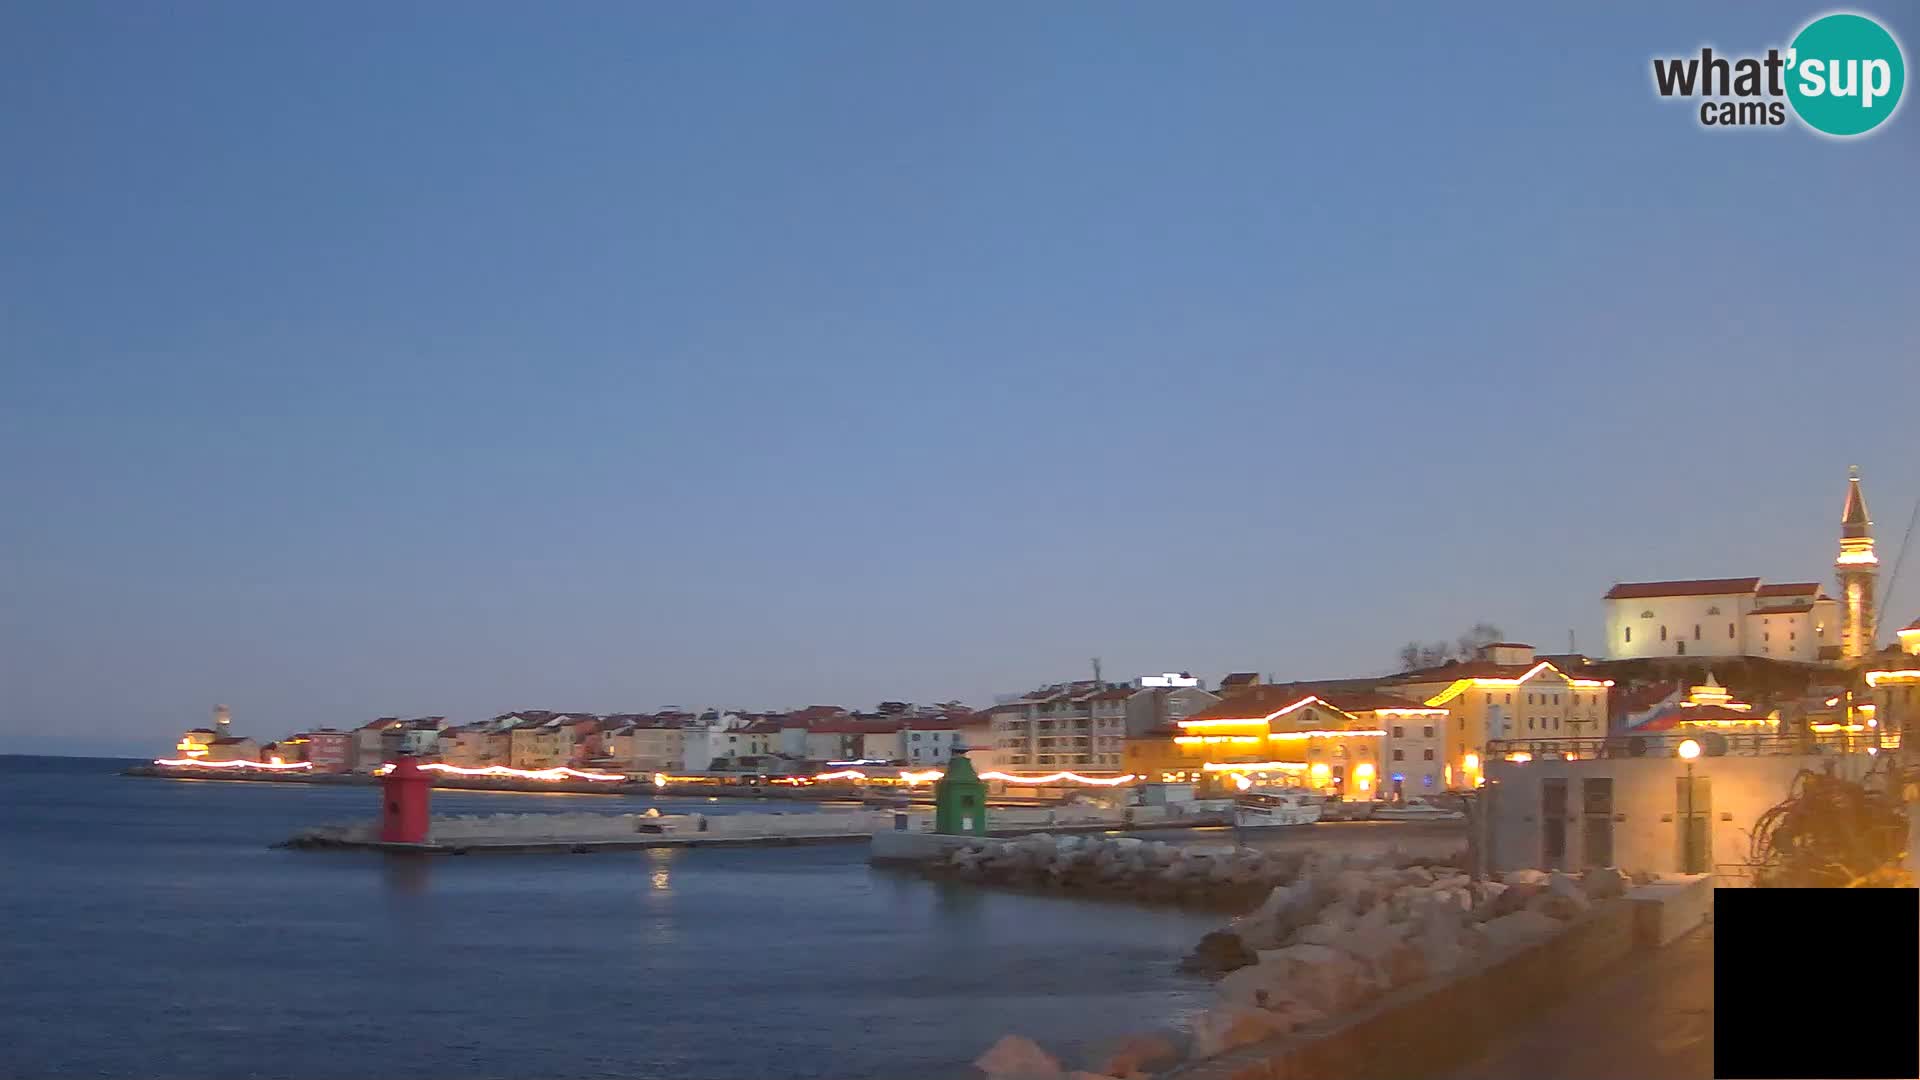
(1415, 810)
(1256, 809)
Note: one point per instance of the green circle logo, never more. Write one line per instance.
(1845, 74)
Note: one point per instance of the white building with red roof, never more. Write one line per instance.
(1742, 617)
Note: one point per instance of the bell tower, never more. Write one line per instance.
(1858, 569)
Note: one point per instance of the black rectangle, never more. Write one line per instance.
(1816, 983)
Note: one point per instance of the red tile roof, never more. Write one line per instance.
(1798, 588)
(1633, 590)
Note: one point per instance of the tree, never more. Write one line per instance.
(1478, 636)
(1415, 655)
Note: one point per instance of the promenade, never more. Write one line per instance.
(1651, 1020)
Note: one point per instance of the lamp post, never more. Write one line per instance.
(1688, 751)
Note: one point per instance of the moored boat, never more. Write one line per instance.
(1415, 810)
(1274, 808)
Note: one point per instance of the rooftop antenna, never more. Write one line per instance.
(1096, 672)
(1572, 649)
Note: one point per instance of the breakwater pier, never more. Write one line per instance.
(584, 833)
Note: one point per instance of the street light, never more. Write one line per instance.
(1689, 750)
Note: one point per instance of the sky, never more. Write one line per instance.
(362, 359)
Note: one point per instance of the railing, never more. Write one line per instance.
(1668, 743)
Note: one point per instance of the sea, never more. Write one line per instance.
(149, 928)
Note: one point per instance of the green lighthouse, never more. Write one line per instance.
(960, 798)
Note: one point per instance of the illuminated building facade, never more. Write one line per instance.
(1507, 692)
(1716, 617)
(1338, 742)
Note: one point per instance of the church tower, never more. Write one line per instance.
(1858, 568)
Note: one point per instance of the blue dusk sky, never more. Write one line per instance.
(366, 358)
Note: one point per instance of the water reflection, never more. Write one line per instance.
(406, 875)
(660, 861)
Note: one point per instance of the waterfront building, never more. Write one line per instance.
(194, 742)
(1505, 692)
(645, 744)
(1725, 617)
(232, 748)
(325, 748)
(1156, 703)
(368, 749)
(474, 746)
(538, 743)
(930, 740)
(1077, 726)
(1334, 739)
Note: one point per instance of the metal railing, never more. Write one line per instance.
(1667, 744)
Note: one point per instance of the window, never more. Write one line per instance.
(1529, 699)
(1696, 631)
(1556, 699)
(1509, 699)
(1629, 635)
(1682, 651)
(1429, 757)
(1460, 724)
(1793, 635)
(1529, 723)
(1663, 633)
(1714, 610)
(1556, 723)
(1399, 732)
(1401, 755)
(1764, 636)
(1427, 731)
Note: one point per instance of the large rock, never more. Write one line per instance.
(1605, 883)
(1226, 1027)
(1133, 1054)
(1524, 877)
(1558, 906)
(1325, 978)
(1016, 1057)
(1515, 898)
(1519, 928)
(1218, 953)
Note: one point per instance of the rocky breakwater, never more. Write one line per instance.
(1151, 871)
(1345, 930)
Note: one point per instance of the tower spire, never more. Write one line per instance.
(1853, 519)
(1857, 567)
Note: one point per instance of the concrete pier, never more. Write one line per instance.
(590, 832)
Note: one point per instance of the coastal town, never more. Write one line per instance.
(1755, 676)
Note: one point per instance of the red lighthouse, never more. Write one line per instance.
(403, 809)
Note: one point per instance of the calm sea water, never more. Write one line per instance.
(150, 931)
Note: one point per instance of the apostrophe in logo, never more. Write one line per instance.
(1842, 76)
(1845, 74)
